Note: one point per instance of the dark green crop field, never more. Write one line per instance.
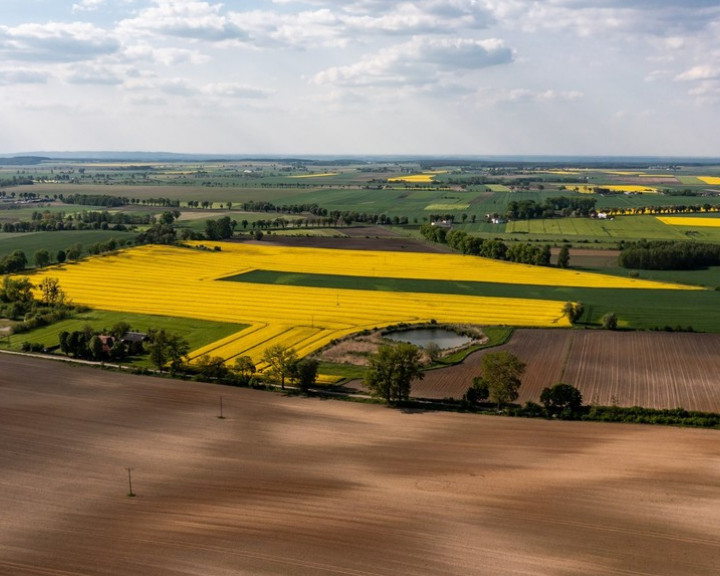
(635, 308)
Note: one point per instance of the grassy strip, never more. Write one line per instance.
(635, 308)
(497, 335)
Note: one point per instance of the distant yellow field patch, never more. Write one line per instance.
(690, 221)
(447, 206)
(318, 175)
(712, 180)
(623, 172)
(423, 178)
(618, 188)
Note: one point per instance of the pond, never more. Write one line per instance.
(423, 336)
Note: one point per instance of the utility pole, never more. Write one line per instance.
(130, 493)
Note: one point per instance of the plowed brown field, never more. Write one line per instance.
(293, 486)
(650, 369)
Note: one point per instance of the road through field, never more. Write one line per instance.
(297, 486)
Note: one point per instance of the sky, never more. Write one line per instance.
(341, 77)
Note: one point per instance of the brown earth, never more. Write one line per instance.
(650, 369)
(359, 238)
(589, 257)
(296, 486)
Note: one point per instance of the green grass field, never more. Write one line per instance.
(197, 332)
(616, 229)
(31, 242)
(26, 212)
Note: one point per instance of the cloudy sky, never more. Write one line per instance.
(471, 77)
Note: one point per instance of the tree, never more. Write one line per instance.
(562, 400)
(477, 392)
(304, 373)
(52, 294)
(73, 252)
(501, 372)
(433, 351)
(119, 350)
(574, 311)
(610, 321)
(78, 344)
(563, 260)
(61, 256)
(19, 291)
(64, 338)
(245, 367)
(14, 262)
(119, 329)
(165, 347)
(279, 359)
(95, 346)
(392, 369)
(158, 233)
(42, 258)
(212, 367)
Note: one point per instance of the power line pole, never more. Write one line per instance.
(130, 490)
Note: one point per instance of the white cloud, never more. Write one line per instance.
(22, 76)
(706, 93)
(55, 42)
(147, 53)
(419, 61)
(493, 96)
(188, 19)
(98, 75)
(87, 5)
(287, 67)
(701, 72)
(183, 87)
(600, 17)
(235, 90)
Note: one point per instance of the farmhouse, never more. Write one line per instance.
(133, 337)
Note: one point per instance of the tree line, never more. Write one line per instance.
(111, 201)
(668, 255)
(491, 248)
(549, 208)
(86, 220)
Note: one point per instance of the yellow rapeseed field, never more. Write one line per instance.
(319, 175)
(618, 188)
(712, 180)
(443, 207)
(690, 221)
(423, 178)
(184, 282)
